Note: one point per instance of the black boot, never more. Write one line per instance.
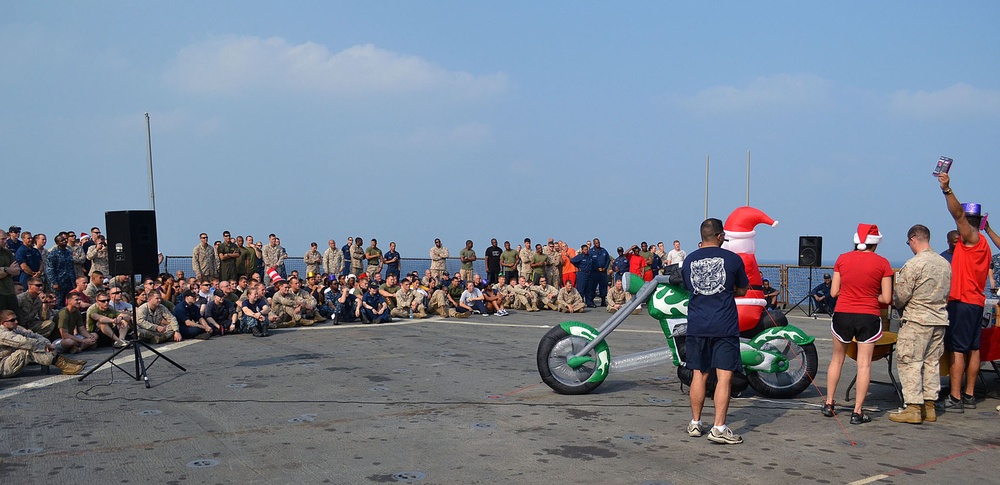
(257, 331)
(264, 330)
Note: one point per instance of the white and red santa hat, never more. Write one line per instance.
(867, 234)
(741, 222)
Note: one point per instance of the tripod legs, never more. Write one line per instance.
(140, 364)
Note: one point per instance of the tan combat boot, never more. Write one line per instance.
(930, 414)
(67, 367)
(74, 361)
(912, 414)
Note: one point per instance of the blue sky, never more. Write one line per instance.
(408, 121)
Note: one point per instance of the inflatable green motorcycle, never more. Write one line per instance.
(779, 360)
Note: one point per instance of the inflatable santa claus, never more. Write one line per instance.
(740, 240)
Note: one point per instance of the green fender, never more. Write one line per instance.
(583, 330)
(788, 332)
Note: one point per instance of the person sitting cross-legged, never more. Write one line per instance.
(409, 303)
(569, 300)
(189, 320)
(110, 325)
(372, 308)
(472, 300)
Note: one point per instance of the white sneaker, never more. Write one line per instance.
(726, 437)
(695, 430)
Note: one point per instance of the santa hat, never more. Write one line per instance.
(867, 234)
(275, 276)
(741, 222)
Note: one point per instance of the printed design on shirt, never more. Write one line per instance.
(708, 276)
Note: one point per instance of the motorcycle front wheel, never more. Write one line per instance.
(802, 365)
(553, 365)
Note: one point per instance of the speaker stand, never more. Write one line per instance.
(140, 364)
(136, 345)
(809, 306)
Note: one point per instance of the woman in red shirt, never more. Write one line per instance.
(861, 281)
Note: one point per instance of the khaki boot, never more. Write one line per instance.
(74, 361)
(442, 312)
(912, 414)
(930, 414)
(306, 322)
(67, 367)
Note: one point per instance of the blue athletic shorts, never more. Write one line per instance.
(707, 353)
(964, 327)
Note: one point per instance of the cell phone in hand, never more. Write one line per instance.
(982, 223)
(943, 165)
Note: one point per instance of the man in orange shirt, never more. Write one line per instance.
(969, 267)
(568, 268)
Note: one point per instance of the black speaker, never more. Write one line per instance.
(132, 242)
(810, 251)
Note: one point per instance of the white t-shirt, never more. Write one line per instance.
(466, 295)
(675, 256)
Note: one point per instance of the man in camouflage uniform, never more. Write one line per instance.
(79, 255)
(19, 346)
(439, 255)
(9, 272)
(313, 260)
(569, 299)
(921, 290)
(229, 252)
(439, 304)
(504, 291)
(553, 267)
(333, 259)
(154, 321)
(272, 253)
(524, 298)
(30, 309)
(618, 297)
(61, 269)
(98, 256)
(546, 295)
(408, 302)
(305, 299)
(525, 254)
(357, 257)
(203, 259)
(286, 309)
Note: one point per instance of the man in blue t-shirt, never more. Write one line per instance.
(714, 277)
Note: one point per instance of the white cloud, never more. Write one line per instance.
(958, 100)
(234, 65)
(782, 92)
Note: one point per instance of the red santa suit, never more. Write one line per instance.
(740, 240)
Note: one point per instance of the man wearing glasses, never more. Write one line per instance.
(103, 317)
(203, 259)
(30, 305)
(19, 346)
